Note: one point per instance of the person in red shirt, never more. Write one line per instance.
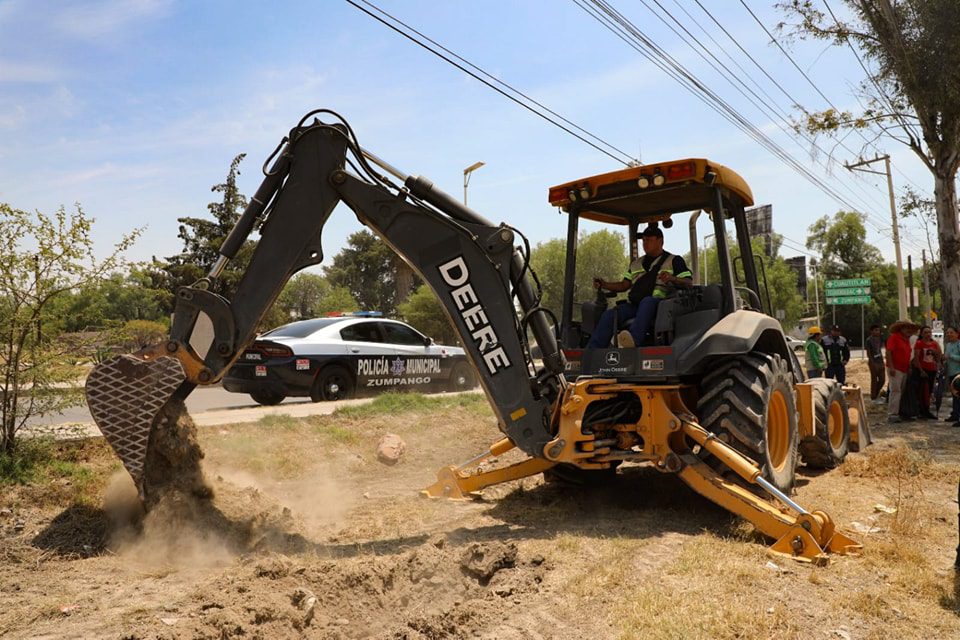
(899, 355)
(927, 357)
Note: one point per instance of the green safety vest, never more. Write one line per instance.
(660, 290)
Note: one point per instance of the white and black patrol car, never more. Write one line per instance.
(345, 356)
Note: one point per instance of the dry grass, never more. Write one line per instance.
(641, 558)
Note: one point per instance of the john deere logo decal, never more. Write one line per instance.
(613, 358)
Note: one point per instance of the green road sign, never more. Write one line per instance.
(849, 282)
(850, 291)
(848, 300)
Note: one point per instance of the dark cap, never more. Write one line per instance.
(652, 232)
(835, 327)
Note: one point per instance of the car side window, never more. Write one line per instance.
(361, 332)
(399, 334)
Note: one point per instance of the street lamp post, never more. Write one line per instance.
(466, 178)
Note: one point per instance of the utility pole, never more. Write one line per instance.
(928, 304)
(816, 290)
(910, 303)
(901, 289)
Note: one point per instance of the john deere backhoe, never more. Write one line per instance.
(716, 399)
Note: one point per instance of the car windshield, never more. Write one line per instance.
(300, 329)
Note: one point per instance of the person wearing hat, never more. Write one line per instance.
(899, 355)
(649, 279)
(814, 359)
(838, 354)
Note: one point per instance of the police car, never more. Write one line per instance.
(341, 357)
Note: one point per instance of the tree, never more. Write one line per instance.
(117, 299)
(366, 268)
(842, 245)
(308, 295)
(42, 257)
(599, 254)
(781, 279)
(912, 96)
(202, 239)
(423, 310)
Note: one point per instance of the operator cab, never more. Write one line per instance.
(635, 198)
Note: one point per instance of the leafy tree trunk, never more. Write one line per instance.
(404, 280)
(945, 194)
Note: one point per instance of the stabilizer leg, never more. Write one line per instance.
(457, 482)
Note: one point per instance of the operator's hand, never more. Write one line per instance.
(665, 277)
(597, 283)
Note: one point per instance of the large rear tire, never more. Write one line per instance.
(749, 403)
(829, 446)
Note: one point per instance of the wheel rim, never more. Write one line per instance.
(333, 388)
(835, 424)
(778, 430)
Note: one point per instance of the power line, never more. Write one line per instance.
(615, 22)
(491, 85)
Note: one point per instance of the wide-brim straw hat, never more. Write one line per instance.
(904, 324)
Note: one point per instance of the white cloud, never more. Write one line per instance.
(15, 71)
(97, 20)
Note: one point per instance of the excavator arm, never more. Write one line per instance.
(471, 264)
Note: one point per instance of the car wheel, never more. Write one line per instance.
(267, 398)
(462, 378)
(332, 383)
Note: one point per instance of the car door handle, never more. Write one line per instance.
(354, 349)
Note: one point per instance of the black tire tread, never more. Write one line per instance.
(816, 450)
(732, 404)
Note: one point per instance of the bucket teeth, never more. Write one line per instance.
(125, 394)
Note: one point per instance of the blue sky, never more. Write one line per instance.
(135, 108)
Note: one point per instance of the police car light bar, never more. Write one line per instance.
(357, 314)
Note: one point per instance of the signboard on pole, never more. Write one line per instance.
(849, 282)
(848, 291)
(848, 299)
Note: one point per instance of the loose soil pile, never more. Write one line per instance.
(300, 532)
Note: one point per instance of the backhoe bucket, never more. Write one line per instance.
(125, 394)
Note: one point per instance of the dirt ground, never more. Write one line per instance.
(308, 535)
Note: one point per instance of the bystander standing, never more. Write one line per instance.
(838, 354)
(952, 357)
(899, 353)
(874, 348)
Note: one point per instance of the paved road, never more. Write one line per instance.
(208, 406)
(202, 399)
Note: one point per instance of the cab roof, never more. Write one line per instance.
(650, 192)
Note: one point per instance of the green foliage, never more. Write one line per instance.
(137, 334)
(112, 302)
(424, 311)
(42, 259)
(781, 279)
(599, 254)
(842, 241)
(367, 269)
(308, 295)
(26, 463)
(842, 244)
(202, 238)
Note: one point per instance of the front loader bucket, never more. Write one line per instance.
(125, 394)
